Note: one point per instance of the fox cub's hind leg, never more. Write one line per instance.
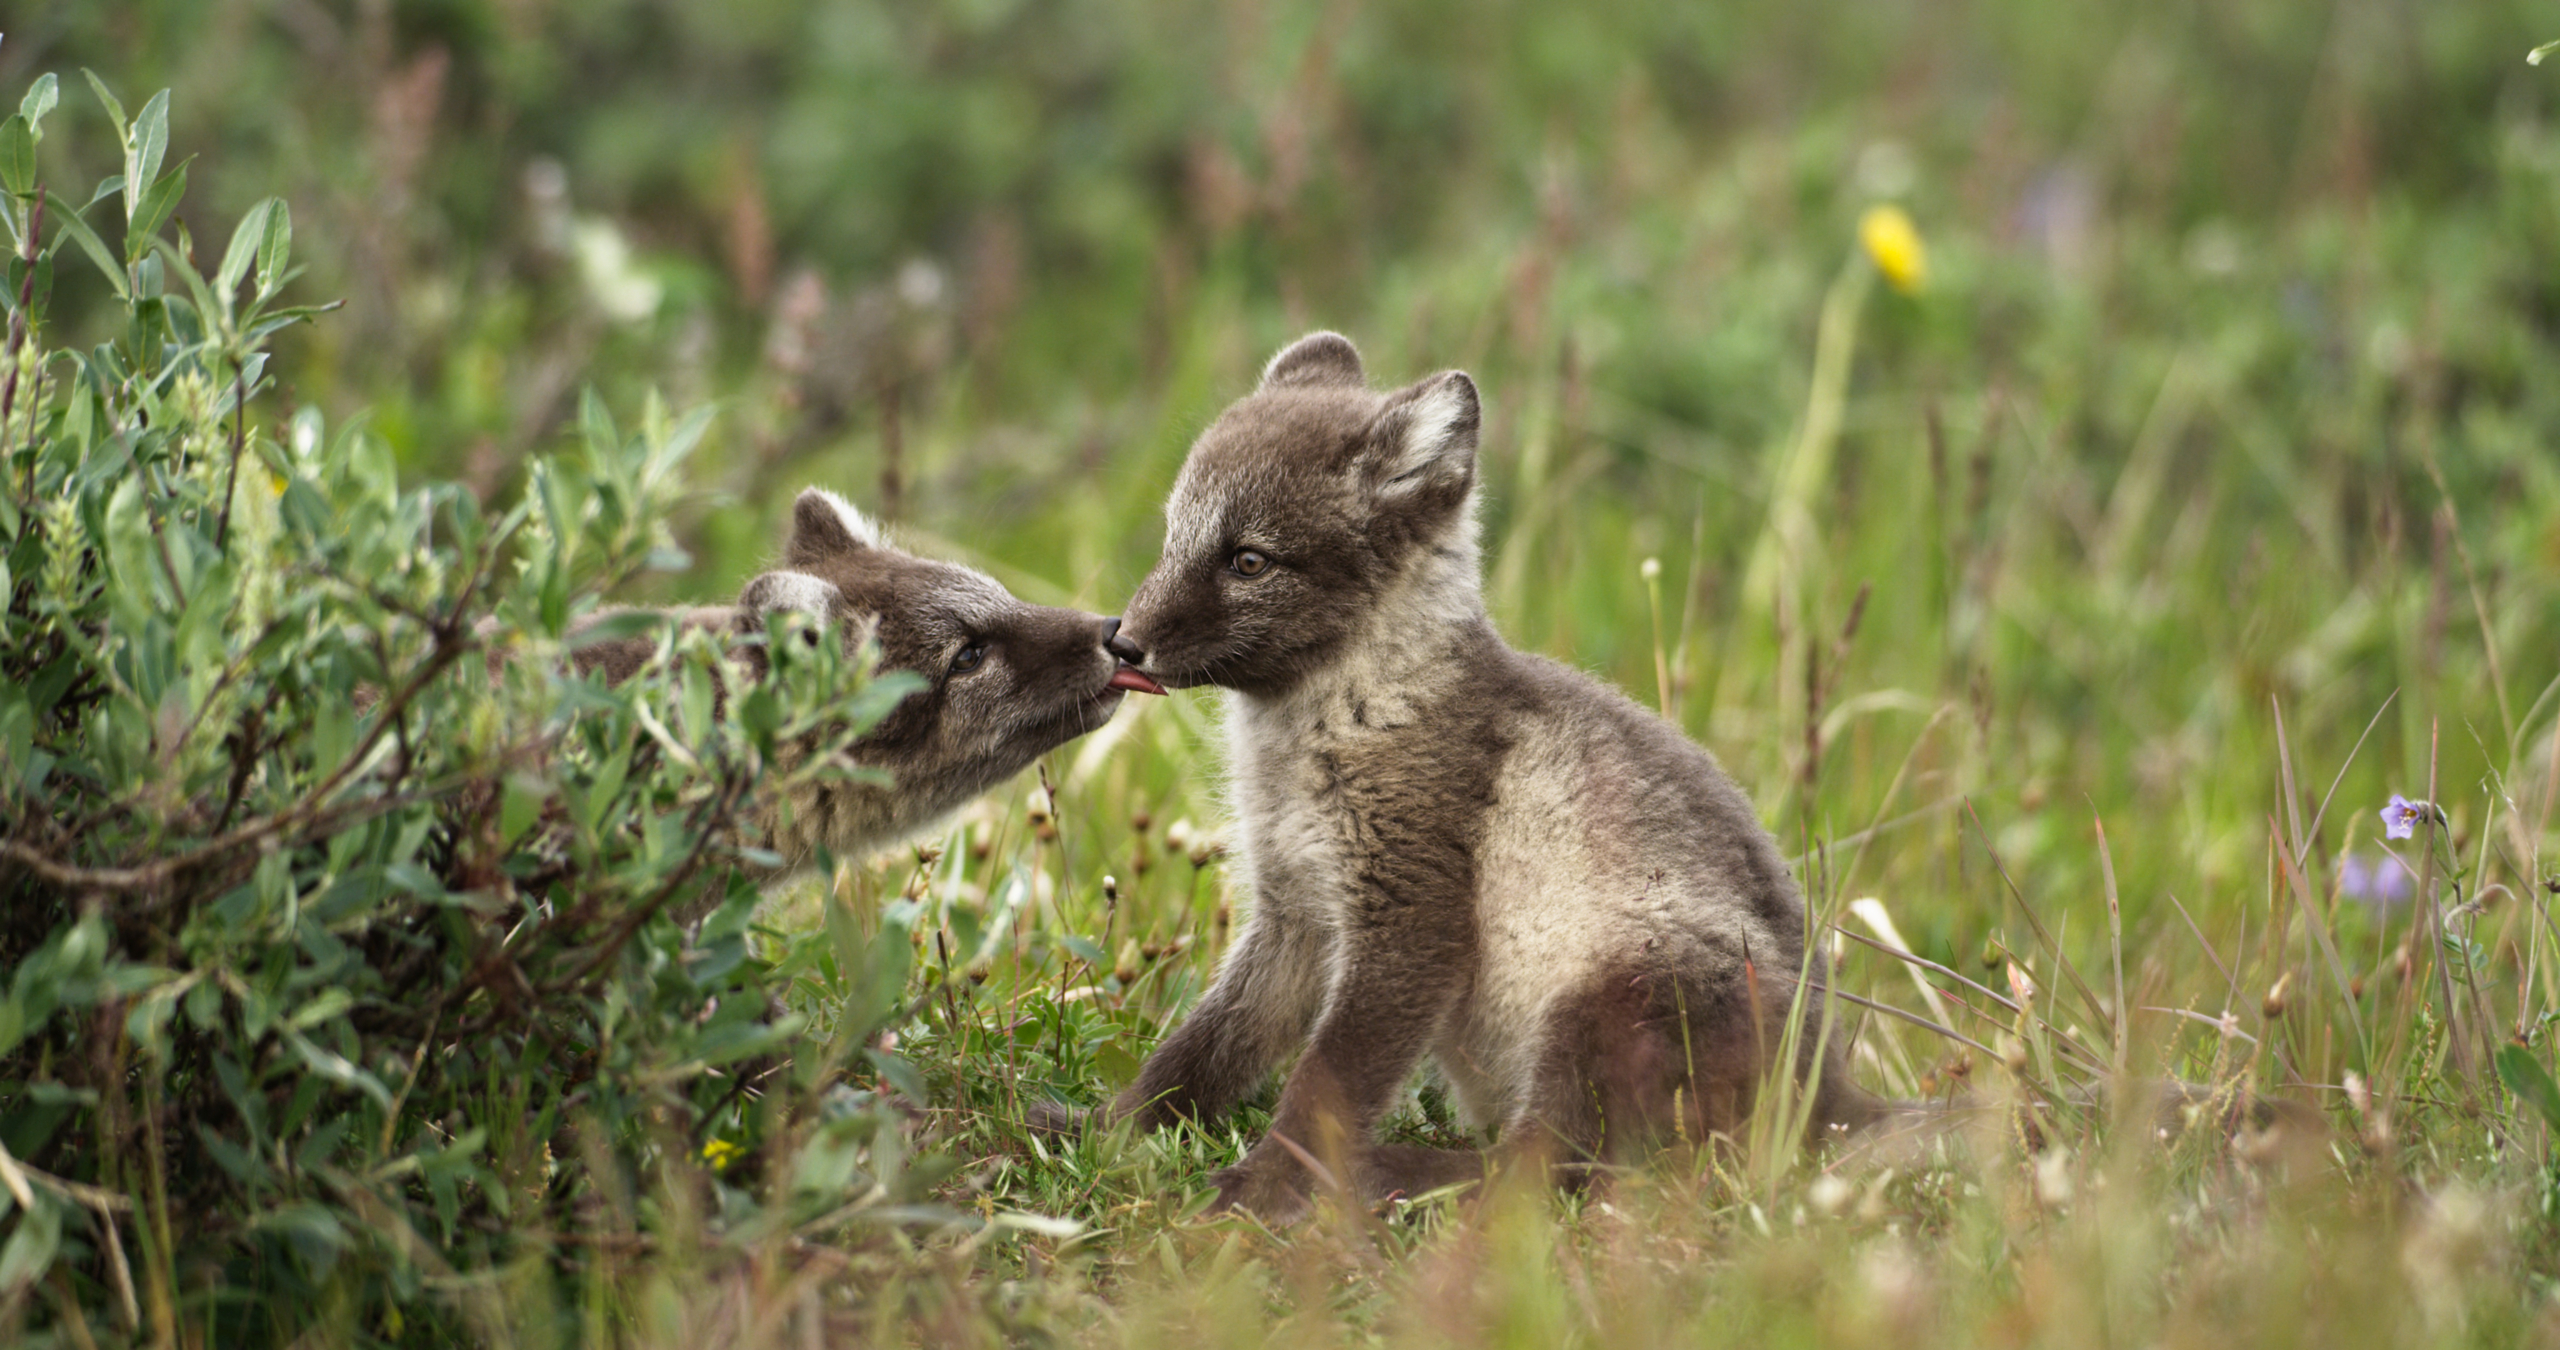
(1635, 1061)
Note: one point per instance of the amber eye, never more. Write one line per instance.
(969, 659)
(1248, 563)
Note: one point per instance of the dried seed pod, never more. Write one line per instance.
(2276, 1002)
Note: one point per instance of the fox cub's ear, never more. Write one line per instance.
(1316, 359)
(824, 525)
(1425, 439)
(786, 592)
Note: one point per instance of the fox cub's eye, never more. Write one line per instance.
(969, 659)
(1248, 563)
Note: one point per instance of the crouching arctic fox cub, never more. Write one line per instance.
(1455, 849)
(1005, 681)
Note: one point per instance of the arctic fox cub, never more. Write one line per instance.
(1456, 850)
(1006, 682)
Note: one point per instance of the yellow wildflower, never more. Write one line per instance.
(1893, 244)
(719, 1152)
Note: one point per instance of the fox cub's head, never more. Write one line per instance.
(1005, 681)
(1314, 512)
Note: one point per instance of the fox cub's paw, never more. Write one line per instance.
(1275, 1195)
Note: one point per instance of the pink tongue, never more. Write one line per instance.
(1130, 677)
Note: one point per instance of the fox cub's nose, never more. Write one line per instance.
(1119, 646)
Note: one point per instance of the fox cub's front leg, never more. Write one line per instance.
(1256, 1011)
(1389, 998)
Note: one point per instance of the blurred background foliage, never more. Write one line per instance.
(2227, 391)
(1047, 239)
(2219, 292)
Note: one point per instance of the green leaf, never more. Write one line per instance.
(31, 1248)
(333, 734)
(898, 1073)
(520, 804)
(115, 110)
(275, 247)
(315, 1232)
(67, 220)
(247, 239)
(607, 785)
(2524, 1076)
(596, 421)
(18, 157)
(153, 212)
(145, 144)
(39, 101)
(337, 1069)
(329, 1004)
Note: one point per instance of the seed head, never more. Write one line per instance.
(2275, 1002)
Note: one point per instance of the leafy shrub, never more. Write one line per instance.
(337, 916)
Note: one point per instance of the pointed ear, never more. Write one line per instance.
(1316, 359)
(1425, 439)
(824, 525)
(786, 591)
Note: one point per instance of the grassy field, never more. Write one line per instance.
(2072, 610)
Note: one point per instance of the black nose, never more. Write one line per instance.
(1119, 646)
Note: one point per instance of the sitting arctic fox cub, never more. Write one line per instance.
(1006, 682)
(1455, 849)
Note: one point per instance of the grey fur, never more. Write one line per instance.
(1043, 678)
(1456, 850)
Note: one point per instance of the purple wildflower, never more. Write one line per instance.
(2402, 817)
(2383, 884)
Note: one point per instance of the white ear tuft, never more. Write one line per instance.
(855, 523)
(825, 525)
(1427, 435)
